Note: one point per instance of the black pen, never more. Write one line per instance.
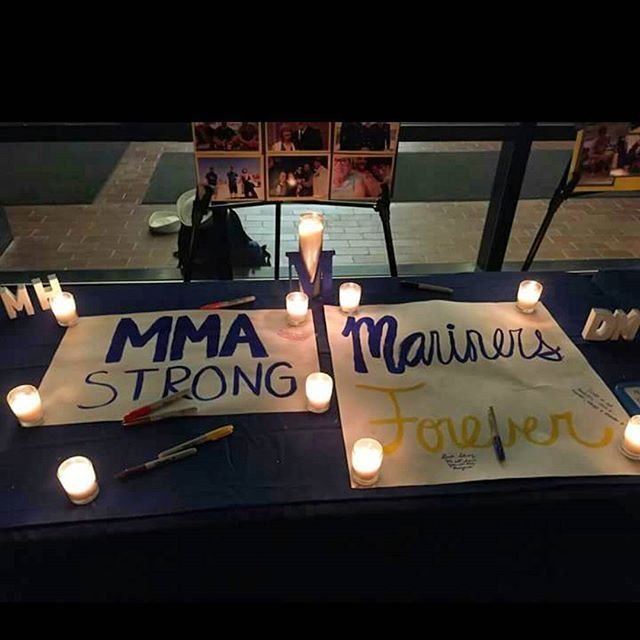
(495, 436)
(426, 287)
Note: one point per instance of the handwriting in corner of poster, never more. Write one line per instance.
(232, 362)
(420, 378)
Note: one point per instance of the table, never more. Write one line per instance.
(266, 526)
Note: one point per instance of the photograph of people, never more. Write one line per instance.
(212, 180)
(603, 148)
(285, 186)
(633, 155)
(223, 134)
(346, 184)
(240, 178)
(308, 137)
(360, 178)
(298, 177)
(320, 177)
(300, 136)
(304, 177)
(227, 136)
(248, 138)
(627, 159)
(232, 181)
(286, 142)
(248, 186)
(367, 136)
(203, 135)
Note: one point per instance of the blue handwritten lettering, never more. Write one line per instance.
(139, 380)
(127, 329)
(242, 331)
(238, 374)
(89, 380)
(196, 381)
(169, 382)
(419, 348)
(185, 329)
(293, 385)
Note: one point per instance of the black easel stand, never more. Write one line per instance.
(563, 192)
(202, 204)
(383, 207)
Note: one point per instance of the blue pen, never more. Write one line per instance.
(495, 436)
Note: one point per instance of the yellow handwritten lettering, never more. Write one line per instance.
(470, 440)
(398, 420)
(425, 425)
(430, 431)
(568, 418)
(530, 425)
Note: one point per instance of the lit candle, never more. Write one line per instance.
(63, 306)
(297, 307)
(78, 478)
(25, 402)
(366, 460)
(528, 295)
(319, 387)
(310, 232)
(350, 293)
(631, 439)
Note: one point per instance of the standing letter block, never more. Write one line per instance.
(627, 324)
(13, 304)
(46, 293)
(323, 283)
(603, 324)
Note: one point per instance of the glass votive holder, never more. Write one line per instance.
(310, 234)
(630, 446)
(350, 294)
(528, 295)
(366, 461)
(26, 404)
(63, 306)
(297, 307)
(318, 388)
(78, 478)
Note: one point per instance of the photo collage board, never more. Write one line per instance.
(289, 161)
(607, 157)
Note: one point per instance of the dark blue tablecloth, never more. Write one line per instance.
(272, 459)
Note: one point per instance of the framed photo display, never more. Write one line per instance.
(364, 155)
(241, 137)
(298, 176)
(360, 177)
(298, 156)
(232, 178)
(607, 155)
(298, 137)
(289, 161)
(366, 136)
(229, 158)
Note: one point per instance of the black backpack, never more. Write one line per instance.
(245, 252)
(221, 247)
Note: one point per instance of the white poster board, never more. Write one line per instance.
(420, 377)
(233, 362)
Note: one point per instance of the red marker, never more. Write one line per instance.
(228, 303)
(163, 415)
(141, 412)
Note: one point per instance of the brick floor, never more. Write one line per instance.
(112, 231)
